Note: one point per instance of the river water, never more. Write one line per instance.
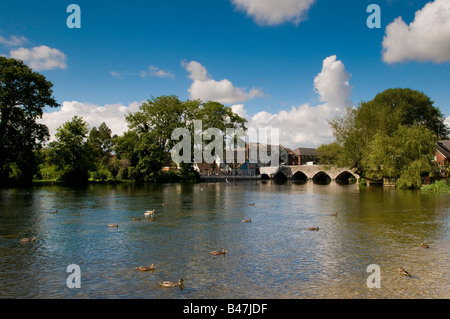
(273, 256)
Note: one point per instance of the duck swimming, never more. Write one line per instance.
(145, 268)
(171, 284)
(114, 225)
(218, 252)
(247, 220)
(403, 272)
(149, 212)
(423, 245)
(28, 239)
(313, 228)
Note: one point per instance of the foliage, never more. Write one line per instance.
(72, 154)
(329, 153)
(441, 186)
(148, 141)
(23, 95)
(376, 137)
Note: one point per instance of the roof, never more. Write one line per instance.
(203, 166)
(304, 151)
(444, 148)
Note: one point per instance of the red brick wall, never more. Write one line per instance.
(440, 159)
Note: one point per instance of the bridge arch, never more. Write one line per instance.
(321, 178)
(265, 177)
(345, 177)
(299, 176)
(280, 176)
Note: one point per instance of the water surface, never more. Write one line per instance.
(274, 256)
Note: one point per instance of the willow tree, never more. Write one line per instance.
(405, 155)
(23, 96)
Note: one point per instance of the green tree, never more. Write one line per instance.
(406, 154)
(74, 157)
(383, 116)
(148, 141)
(23, 96)
(329, 153)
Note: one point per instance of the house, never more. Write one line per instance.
(305, 155)
(442, 152)
(287, 156)
(247, 169)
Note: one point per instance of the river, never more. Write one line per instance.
(273, 256)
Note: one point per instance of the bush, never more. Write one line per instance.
(442, 186)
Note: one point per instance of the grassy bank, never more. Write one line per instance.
(442, 186)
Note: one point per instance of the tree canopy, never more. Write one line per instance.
(373, 136)
(23, 96)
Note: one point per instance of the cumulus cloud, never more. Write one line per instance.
(427, 38)
(207, 89)
(332, 83)
(13, 41)
(269, 12)
(301, 126)
(112, 114)
(447, 121)
(41, 57)
(307, 125)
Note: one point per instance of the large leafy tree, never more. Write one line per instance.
(383, 116)
(148, 141)
(406, 155)
(23, 96)
(73, 155)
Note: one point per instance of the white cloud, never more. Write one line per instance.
(152, 71)
(307, 125)
(301, 126)
(207, 89)
(427, 38)
(447, 121)
(270, 12)
(332, 83)
(13, 41)
(112, 114)
(41, 58)
(155, 71)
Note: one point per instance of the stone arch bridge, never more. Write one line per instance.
(316, 173)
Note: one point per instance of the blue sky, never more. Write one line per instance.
(126, 52)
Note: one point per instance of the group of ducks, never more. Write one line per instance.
(170, 284)
(146, 213)
(180, 283)
(165, 284)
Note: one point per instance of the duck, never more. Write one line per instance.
(149, 212)
(171, 284)
(403, 272)
(218, 252)
(423, 245)
(54, 212)
(146, 268)
(135, 218)
(334, 214)
(313, 228)
(114, 225)
(251, 204)
(28, 239)
(247, 220)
